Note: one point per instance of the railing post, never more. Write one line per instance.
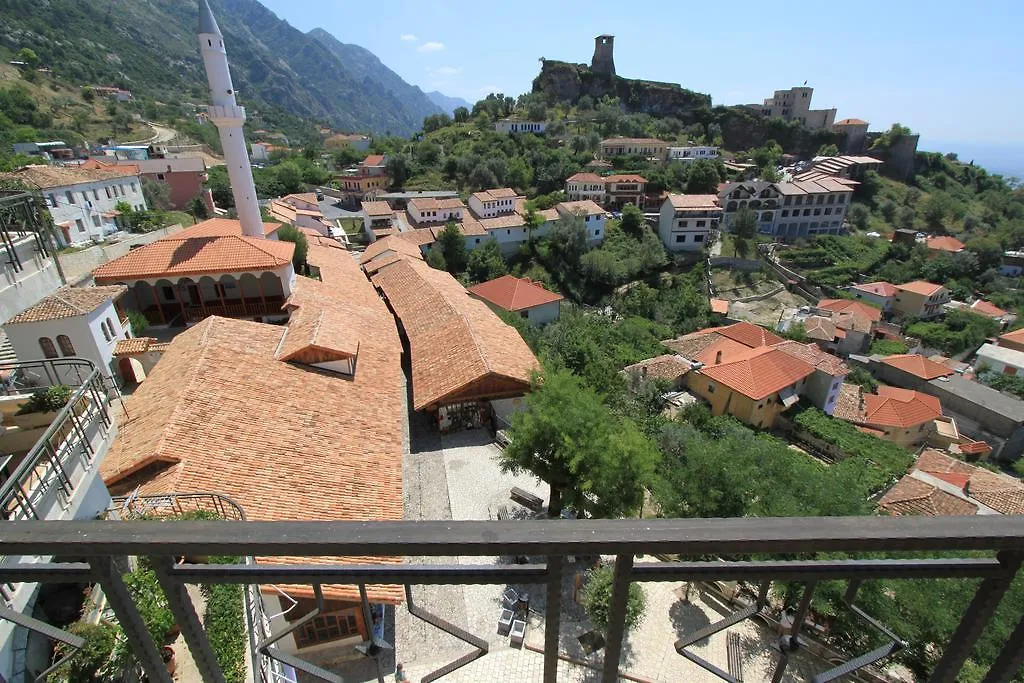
(974, 621)
(791, 643)
(617, 617)
(142, 645)
(553, 617)
(188, 621)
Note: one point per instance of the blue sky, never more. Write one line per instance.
(951, 70)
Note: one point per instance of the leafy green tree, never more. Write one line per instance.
(289, 175)
(485, 263)
(138, 321)
(703, 177)
(796, 332)
(828, 150)
(597, 599)
(859, 215)
(461, 115)
(29, 56)
(594, 462)
(568, 243)
(436, 122)
(452, 244)
(987, 249)
(887, 347)
(398, 169)
(289, 233)
(88, 94)
(744, 227)
(532, 220)
(79, 120)
(632, 221)
(157, 195)
(435, 259)
(197, 207)
(767, 156)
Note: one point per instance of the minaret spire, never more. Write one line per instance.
(229, 119)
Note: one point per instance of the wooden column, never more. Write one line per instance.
(220, 295)
(159, 306)
(184, 310)
(241, 294)
(263, 296)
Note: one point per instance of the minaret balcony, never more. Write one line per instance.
(226, 115)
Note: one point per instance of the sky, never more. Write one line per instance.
(951, 70)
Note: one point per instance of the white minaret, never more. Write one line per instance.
(229, 119)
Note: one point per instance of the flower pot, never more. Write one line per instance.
(169, 660)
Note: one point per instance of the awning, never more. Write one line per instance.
(789, 396)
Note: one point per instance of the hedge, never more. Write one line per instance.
(224, 622)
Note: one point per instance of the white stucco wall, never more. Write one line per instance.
(84, 204)
(541, 315)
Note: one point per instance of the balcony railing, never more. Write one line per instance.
(44, 481)
(546, 544)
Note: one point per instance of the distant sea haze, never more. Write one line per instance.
(1006, 160)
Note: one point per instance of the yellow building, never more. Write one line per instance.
(919, 299)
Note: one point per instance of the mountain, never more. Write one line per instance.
(369, 69)
(150, 46)
(448, 104)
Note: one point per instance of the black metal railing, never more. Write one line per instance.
(67, 447)
(547, 544)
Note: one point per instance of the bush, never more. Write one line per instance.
(887, 347)
(225, 625)
(87, 663)
(48, 400)
(138, 321)
(597, 600)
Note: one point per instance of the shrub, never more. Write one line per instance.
(597, 600)
(86, 664)
(887, 347)
(225, 625)
(139, 322)
(48, 400)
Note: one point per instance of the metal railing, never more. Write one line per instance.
(66, 446)
(547, 545)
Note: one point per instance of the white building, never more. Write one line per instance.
(583, 186)
(302, 211)
(593, 217)
(791, 210)
(430, 210)
(688, 221)
(510, 127)
(83, 202)
(519, 295)
(260, 152)
(692, 152)
(72, 322)
(1001, 359)
(491, 203)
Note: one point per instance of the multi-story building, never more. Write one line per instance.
(582, 186)
(688, 221)
(183, 177)
(377, 217)
(520, 295)
(491, 203)
(903, 416)
(593, 217)
(625, 189)
(880, 294)
(302, 211)
(649, 148)
(856, 132)
(83, 201)
(428, 210)
(512, 127)
(366, 180)
(791, 210)
(795, 105)
(920, 299)
(692, 153)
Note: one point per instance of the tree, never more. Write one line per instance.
(138, 321)
(197, 207)
(461, 115)
(289, 233)
(859, 215)
(452, 244)
(289, 175)
(828, 150)
(632, 221)
(744, 227)
(766, 157)
(29, 56)
(531, 219)
(485, 263)
(597, 600)
(79, 120)
(703, 177)
(435, 259)
(398, 169)
(595, 462)
(157, 194)
(88, 94)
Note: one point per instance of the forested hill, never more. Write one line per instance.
(150, 47)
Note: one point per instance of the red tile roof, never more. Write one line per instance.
(917, 365)
(749, 334)
(759, 372)
(910, 496)
(625, 178)
(585, 207)
(694, 201)
(68, 302)
(585, 178)
(720, 306)
(1017, 336)
(849, 305)
(850, 122)
(221, 227)
(985, 308)
(902, 408)
(920, 287)
(513, 293)
(810, 353)
(944, 243)
(373, 160)
(391, 243)
(669, 366)
(377, 208)
(877, 288)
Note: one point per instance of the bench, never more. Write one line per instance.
(526, 499)
(735, 653)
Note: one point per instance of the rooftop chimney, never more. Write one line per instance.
(718, 357)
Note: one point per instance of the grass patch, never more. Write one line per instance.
(351, 226)
(175, 217)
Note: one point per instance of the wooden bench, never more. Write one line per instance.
(735, 652)
(526, 499)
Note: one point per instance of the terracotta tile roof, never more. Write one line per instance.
(625, 178)
(585, 207)
(750, 334)
(910, 496)
(919, 366)
(902, 408)
(1001, 493)
(822, 329)
(221, 413)
(183, 254)
(689, 345)
(133, 346)
(513, 293)
(458, 346)
(811, 354)
(653, 142)
(877, 288)
(920, 287)
(419, 236)
(849, 404)
(944, 243)
(849, 305)
(669, 366)
(392, 243)
(985, 308)
(694, 201)
(373, 160)
(850, 122)
(846, 321)
(512, 220)
(585, 178)
(759, 372)
(433, 204)
(68, 302)
(495, 194)
(381, 262)
(220, 227)
(1017, 336)
(377, 208)
(720, 306)
(49, 177)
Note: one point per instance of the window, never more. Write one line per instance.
(159, 176)
(477, 240)
(701, 224)
(680, 239)
(168, 292)
(96, 220)
(807, 212)
(785, 213)
(134, 188)
(110, 326)
(683, 224)
(106, 332)
(52, 198)
(80, 224)
(698, 238)
(66, 347)
(711, 388)
(71, 196)
(817, 212)
(49, 350)
(108, 192)
(96, 195)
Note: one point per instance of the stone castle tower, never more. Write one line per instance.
(229, 119)
(602, 63)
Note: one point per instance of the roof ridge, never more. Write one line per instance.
(68, 303)
(254, 243)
